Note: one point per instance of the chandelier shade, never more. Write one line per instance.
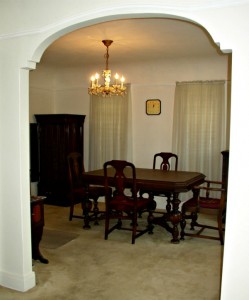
(107, 89)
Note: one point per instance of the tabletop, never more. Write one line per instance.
(157, 180)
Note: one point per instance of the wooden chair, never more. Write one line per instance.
(165, 161)
(80, 193)
(121, 205)
(214, 200)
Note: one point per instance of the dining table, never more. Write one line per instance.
(154, 180)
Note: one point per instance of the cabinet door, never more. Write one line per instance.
(58, 136)
(52, 139)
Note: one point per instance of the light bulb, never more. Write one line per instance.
(122, 81)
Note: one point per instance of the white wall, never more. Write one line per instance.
(151, 79)
(41, 92)
(22, 41)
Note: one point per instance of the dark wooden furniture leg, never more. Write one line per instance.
(194, 215)
(86, 208)
(37, 223)
(175, 218)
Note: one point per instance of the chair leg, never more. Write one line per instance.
(107, 222)
(194, 218)
(119, 224)
(183, 223)
(150, 222)
(86, 207)
(71, 210)
(134, 228)
(220, 229)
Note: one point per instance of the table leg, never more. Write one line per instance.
(175, 218)
(86, 206)
(168, 205)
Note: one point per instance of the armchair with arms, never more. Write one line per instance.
(212, 200)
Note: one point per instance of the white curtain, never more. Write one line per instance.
(201, 123)
(110, 129)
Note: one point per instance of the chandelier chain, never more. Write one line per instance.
(106, 56)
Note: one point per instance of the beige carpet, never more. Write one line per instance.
(53, 239)
(88, 267)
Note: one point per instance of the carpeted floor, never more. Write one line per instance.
(87, 267)
(53, 239)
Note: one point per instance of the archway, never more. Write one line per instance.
(41, 40)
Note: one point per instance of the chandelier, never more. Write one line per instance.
(108, 89)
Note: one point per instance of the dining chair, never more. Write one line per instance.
(81, 193)
(212, 200)
(123, 203)
(164, 161)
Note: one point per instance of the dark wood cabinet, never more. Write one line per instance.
(58, 135)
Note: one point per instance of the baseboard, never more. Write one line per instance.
(17, 282)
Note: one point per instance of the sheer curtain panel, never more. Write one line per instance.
(110, 129)
(200, 126)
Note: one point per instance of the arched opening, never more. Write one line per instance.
(170, 80)
(18, 93)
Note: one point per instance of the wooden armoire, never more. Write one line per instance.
(58, 135)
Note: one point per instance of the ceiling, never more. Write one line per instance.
(134, 40)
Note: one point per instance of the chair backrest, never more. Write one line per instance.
(118, 179)
(165, 160)
(75, 169)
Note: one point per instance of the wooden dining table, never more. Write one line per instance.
(172, 182)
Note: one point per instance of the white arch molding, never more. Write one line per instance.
(55, 34)
(50, 35)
